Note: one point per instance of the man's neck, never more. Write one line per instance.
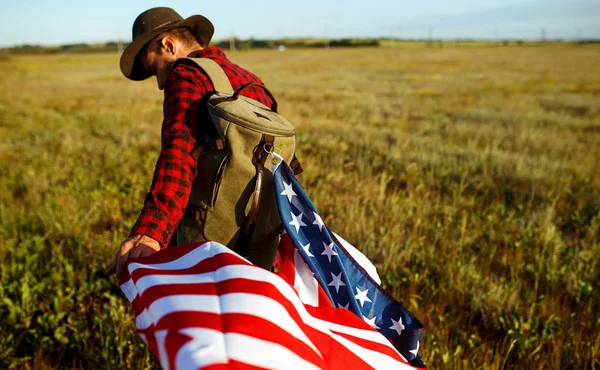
(190, 51)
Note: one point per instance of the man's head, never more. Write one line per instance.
(168, 32)
(159, 54)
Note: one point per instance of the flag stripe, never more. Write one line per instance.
(249, 304)
(258, 327)
(244, 348)
(305, 283)
(374, 357)
(187, 256)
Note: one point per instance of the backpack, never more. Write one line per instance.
(232, 200)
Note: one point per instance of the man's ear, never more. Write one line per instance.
(169, 44)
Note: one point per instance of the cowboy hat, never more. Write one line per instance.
(152, 23)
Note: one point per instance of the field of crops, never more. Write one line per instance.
(469, 175)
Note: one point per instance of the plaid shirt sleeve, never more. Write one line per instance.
(175, 169)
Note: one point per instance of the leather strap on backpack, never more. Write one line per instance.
(295, 166)
(194, 213)
(197, 214)
(218, 144)
(260, 154)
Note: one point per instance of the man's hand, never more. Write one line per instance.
(135, 246)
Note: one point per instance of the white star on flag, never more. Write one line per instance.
(397, 325)
(346, 306)
(328, 250)
(297, 221)
(307, 250)
(318, 221)
(336, 282)
(416, 350)
(288, 191)
(362, 296)
(371, 322)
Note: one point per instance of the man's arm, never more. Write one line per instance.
(175, 169)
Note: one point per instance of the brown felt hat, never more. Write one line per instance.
(150, 24)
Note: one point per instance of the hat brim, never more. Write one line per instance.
(130, 64)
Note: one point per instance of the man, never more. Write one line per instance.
(160, 37)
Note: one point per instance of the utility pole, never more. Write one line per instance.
(232, 43)
(430, 42)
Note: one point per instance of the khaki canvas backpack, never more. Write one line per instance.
(232, 200)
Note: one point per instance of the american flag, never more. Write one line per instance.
(334, 263)
(203, 306)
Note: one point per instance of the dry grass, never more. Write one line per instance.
(469, 175)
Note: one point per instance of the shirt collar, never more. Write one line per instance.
(209, 52)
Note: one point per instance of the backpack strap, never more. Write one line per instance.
(215, 73)
(295, 165)
(221, 84)
(259, 157)
(218, 144)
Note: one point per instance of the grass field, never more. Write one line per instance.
(470, 175)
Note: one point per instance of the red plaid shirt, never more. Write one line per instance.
(184, 124)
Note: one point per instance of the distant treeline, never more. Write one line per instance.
(239, 44)
(296, 43)
(69, 48)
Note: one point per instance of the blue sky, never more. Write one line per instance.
(61, 22)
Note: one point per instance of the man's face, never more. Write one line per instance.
(158, 64)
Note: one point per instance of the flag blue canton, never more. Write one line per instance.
(345, 282)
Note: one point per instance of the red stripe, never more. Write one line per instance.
(165, 255)
(137, 305)
(249, 325)
(207, 265)
(336, 355)
(173, 342)
(232, 364)
(150, 341)
(344, 317)
(287, 268)
(237, 285)
(373, 346)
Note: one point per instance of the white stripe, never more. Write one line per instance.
(376, 359)
(206, 348)
(244, 303)
(129, 289)
(304, 282)
(195, 256)
(369, 335)
(150, 281)
(161, 336)
(360, 258)
(214, 276)
(143, 321)
(276, 162)
(237, 347)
